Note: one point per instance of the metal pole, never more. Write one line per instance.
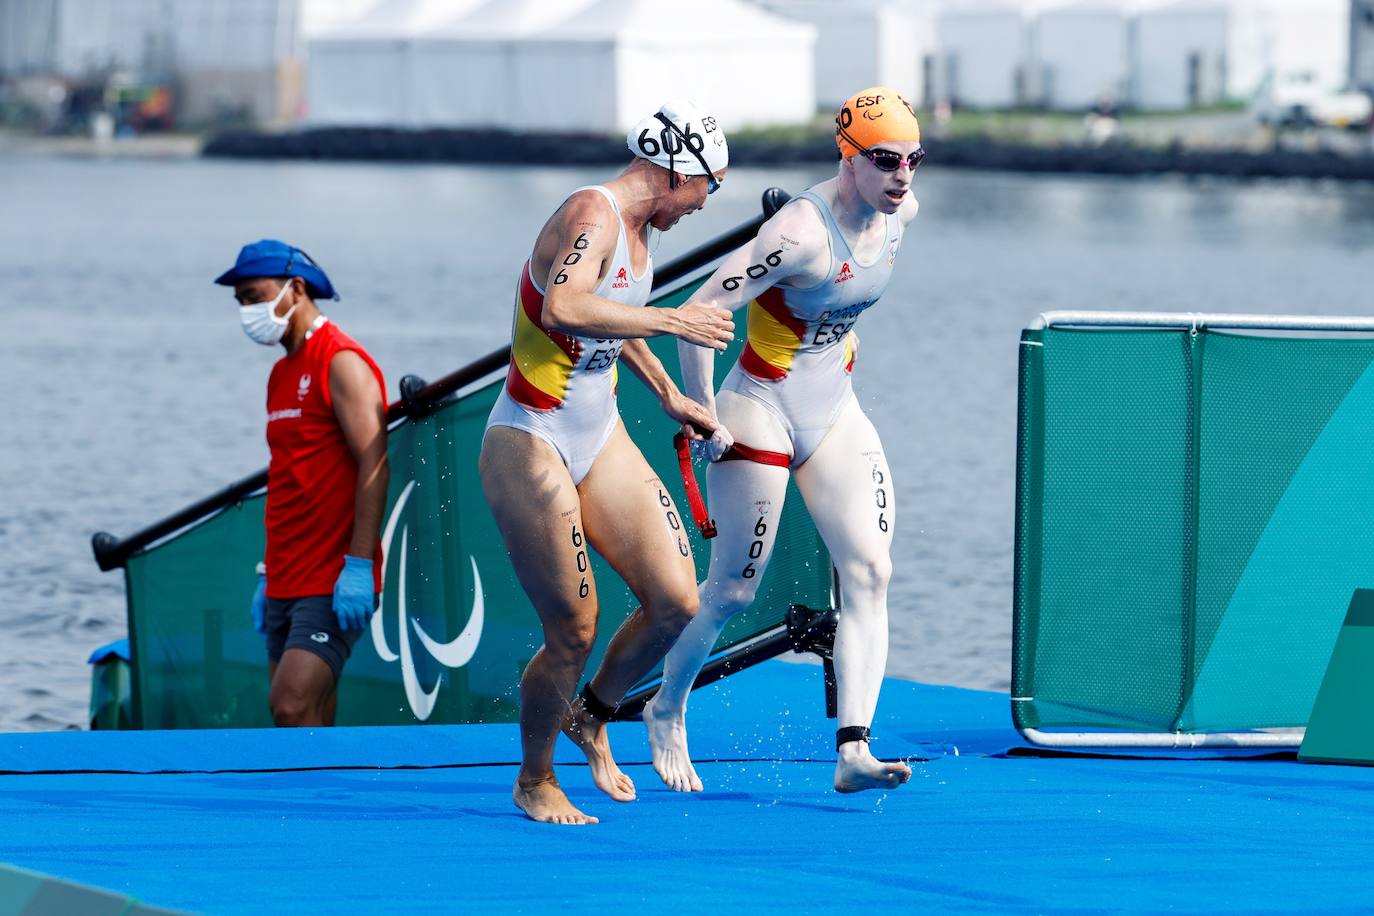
(804, 630)
(1201, 320)
(111, 552)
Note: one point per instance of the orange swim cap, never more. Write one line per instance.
(873, 116)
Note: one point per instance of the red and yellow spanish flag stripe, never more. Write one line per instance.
(775, 335)
(541, 361)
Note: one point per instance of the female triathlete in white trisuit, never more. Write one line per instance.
(788, 405)
(558, 469)
(561, 388)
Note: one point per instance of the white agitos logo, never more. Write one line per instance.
(453, 654)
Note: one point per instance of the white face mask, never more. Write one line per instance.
(260, 321)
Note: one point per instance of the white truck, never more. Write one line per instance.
(1297, 98)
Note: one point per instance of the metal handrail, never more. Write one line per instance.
(1197, 321)
(112, 552)
(803, 630)
(1175, 741)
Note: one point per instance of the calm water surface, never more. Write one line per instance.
(130, 391)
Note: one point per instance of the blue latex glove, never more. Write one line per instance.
(354, 598)
(259, 606)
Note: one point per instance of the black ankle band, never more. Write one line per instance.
(850, 733)
(592, 703)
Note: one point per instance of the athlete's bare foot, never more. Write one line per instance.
(668, 739)
(589, 733)
(543, 800)
(857, 769)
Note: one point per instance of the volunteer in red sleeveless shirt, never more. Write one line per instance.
(326, 483)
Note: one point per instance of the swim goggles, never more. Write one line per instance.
(889, 160)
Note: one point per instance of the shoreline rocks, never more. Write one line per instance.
(498, 147)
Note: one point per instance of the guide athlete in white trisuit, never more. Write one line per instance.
(788, 406)
(558, 469)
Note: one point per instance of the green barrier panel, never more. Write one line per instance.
(196, 661)
(111, 695)
(29, 893)
(454, 629)
(1193, 513)
(1341, 729)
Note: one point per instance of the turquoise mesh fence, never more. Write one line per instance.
(1193, 513)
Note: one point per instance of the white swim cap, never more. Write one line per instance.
(680, 137)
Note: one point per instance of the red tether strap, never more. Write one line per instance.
(741, 452)
(736, 452)
(705, 524)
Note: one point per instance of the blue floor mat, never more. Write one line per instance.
(420, 819)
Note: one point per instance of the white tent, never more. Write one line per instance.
(323, 16)
(860, 44)
(359, 70)
(1179, 55)
(620, 59)
(983, 48)
(466, 73)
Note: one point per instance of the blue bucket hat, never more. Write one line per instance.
(271, 258)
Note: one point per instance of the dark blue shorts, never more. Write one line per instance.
(310, 624)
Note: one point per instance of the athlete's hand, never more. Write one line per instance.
(259, 606)
(698, 422)
(354, 598)
(720, 442)
(711, 442)
(704, 325)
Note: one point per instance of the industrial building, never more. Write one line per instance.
(1179, 55)
(1078, 55)
(865, 43)
(221, 59)
(591, 65)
